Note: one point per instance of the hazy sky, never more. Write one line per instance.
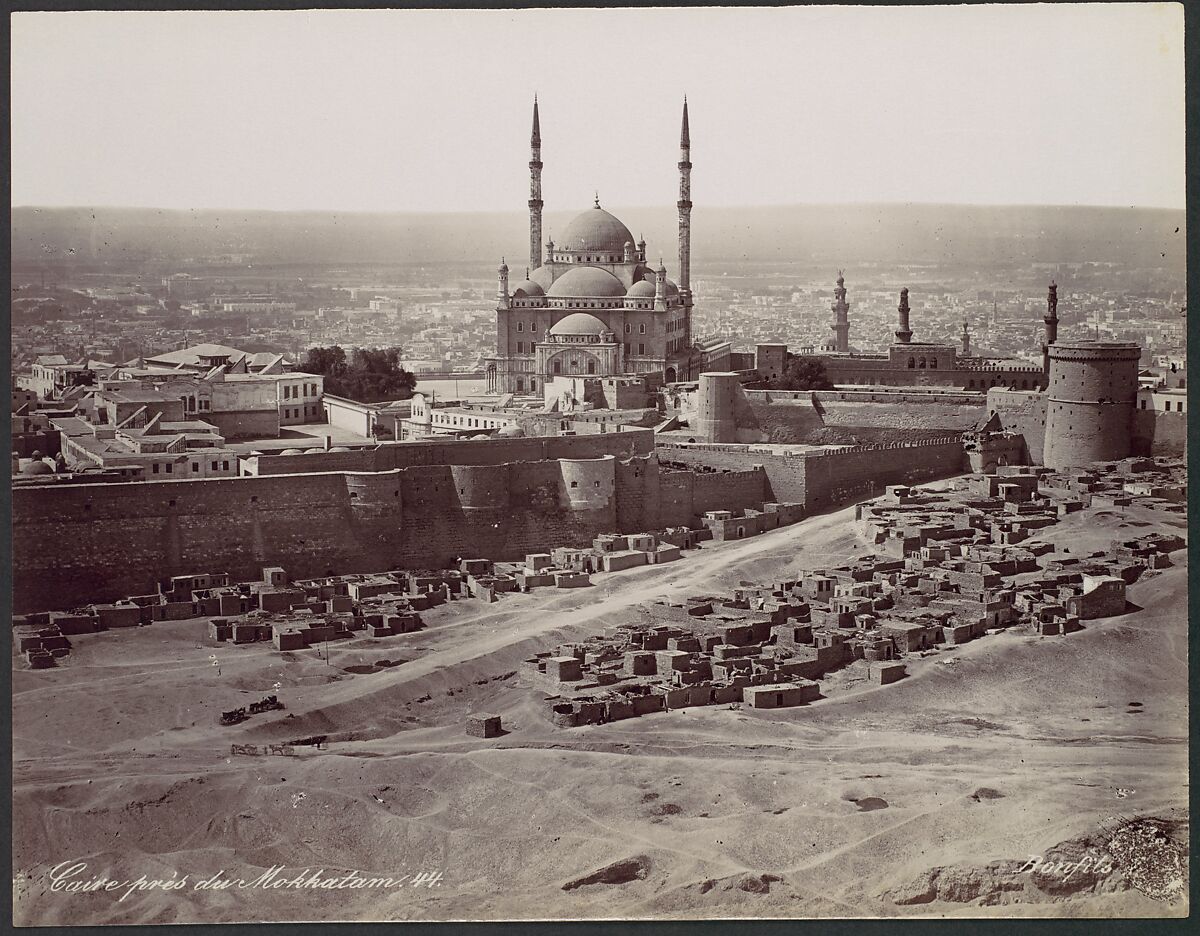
(430, 110)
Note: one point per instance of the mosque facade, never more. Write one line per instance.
(593, 304)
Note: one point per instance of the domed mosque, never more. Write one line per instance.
(595, 305)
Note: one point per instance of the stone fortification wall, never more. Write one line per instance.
(836, 476)
(388, 455)
(77, 544)
(1159, 433)
(1022, 412)
(727, 413)
(825, 478)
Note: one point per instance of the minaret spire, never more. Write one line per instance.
(535, 190)
(1051, 334)
(903, 330)
(685, 226)
(841, 317)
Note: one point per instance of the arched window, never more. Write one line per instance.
(557, 367)
(591, 367)
(912, 362)
(933, 363)
(921, 364)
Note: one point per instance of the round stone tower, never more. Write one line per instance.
(1089, 402)
(716, 407)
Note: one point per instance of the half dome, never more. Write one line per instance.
(642, 289)
(587, 282)
(596, 229)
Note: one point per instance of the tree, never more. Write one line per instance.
(369, 376)
(802, 372)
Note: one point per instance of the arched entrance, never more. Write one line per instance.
(669, 375)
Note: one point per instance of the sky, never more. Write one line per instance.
(430, 110)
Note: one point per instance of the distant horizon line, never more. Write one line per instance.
(664, 206)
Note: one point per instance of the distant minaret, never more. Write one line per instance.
(841, 321)
(535, 191)
(1051, 335)
(966, 339)
(685, 225)
(903, 333)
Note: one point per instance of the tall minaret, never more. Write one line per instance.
(903, 333)
(841, 320)
(535, 191)
(1051, 336)
(685, 225)
(966, 339)
(502, 297)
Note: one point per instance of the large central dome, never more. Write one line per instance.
(596, 229)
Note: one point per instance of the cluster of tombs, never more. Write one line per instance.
(304, 613)
(974, 545)
(948, 572)
(292, 615)
(769, 657)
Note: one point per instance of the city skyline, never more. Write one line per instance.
(1079, 104)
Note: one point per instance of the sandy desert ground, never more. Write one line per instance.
(1022, 746)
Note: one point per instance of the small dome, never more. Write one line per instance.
(579, 323)
(339, 448)
(37, 467)
(511, 432)
(290, 452)
(596, 229)
(587, 282)
(672, 289)
(528, 288)
(643, 289)
(481, 435)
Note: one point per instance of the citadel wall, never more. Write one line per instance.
(728, 413)
(1022, 412)
(82, 543)
(822, 479)
(1158, 433)
(625, 442)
